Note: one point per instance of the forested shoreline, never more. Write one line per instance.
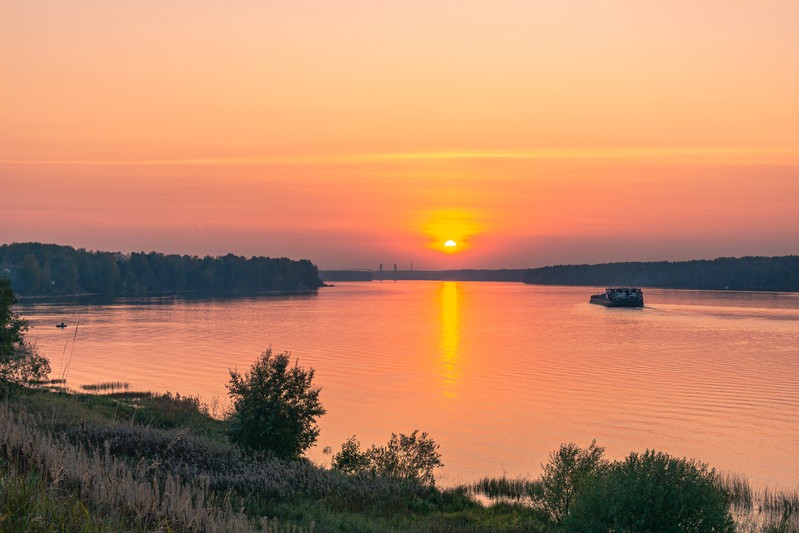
(37, 269)
(779, 274)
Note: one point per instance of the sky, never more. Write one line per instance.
(355, 133)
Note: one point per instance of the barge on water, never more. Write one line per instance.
(619, 297)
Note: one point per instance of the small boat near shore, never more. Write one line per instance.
(619, 297)
(61, 325)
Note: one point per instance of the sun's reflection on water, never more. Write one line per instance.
(450, 336)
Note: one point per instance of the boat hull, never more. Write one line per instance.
(631, 302)
(619, 297)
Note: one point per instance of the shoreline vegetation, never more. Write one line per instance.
(53, 270)
(768, 274)
(48, 271)
(134, 461)
(41, 271)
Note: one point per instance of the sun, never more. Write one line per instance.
(450, 246)
(451, 230)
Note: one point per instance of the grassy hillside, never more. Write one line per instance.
(142, 462)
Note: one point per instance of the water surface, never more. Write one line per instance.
(499, 374)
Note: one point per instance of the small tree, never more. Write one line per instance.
(568, 468)
(275, 406)
(409, 457)
(19, 361)
(351, 460)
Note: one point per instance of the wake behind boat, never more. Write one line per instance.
(619, 297)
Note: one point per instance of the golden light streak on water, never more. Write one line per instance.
(450, 335)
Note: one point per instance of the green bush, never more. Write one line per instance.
(275, 406)
(351, 460)
(568, 468)
(19, 360)
(409, 457)
(651, 492)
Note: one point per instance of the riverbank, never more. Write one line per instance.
(137, 462)
(141, 462)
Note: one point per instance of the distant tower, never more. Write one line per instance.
(395, 271)
(380, 276)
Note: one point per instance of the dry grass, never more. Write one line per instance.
(130, 472)
(114, 494)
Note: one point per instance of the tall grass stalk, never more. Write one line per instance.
(737, 489)
(504, 489)
(112, 386)
(134, 493)
(29, 504)
(65, 370)
(760, 509)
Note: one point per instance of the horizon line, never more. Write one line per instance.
(542, 154)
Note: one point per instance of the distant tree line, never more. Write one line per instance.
(452, 275)
(345, 275)
(434, 275)
(50, 269)
(740, 274)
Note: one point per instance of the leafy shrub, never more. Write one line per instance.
(351, 460)
(568, 468)
(409, 457)
(19, 360)
(275, 406)
(651, 492)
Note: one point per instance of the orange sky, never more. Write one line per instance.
(360, 133)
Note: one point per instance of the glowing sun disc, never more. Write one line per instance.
(450, 243)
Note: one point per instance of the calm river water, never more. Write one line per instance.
(498, 374)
